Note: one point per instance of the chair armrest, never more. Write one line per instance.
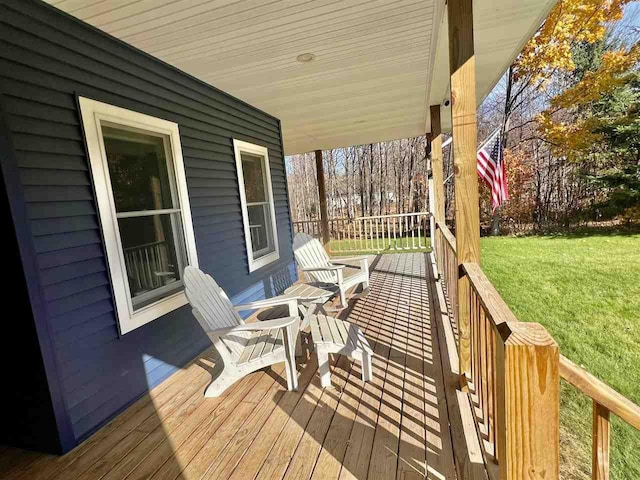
(350, 259)
(328, 268)
(257, 326)
(267, 302)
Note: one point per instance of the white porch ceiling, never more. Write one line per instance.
(379, 63)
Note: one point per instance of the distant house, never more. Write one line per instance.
(119, 170)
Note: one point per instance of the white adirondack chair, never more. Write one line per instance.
(318, 267)
(243, 347)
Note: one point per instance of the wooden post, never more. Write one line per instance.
(528, 401)
(463, 117)
(601, 442)
(437, 164)
(322, 194)
(436, 187)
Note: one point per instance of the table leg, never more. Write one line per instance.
(366, 367)
(323, 367)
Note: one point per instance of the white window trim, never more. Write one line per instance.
(246, 147)
(93, 113)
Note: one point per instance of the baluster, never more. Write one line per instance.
(406, 232)
(388, 247)
(483, 366)
(491, 384)
(413, 239)
(395, 236)
(474, 344)
(377, 234)
(601, 442)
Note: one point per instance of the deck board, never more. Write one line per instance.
(395, 426)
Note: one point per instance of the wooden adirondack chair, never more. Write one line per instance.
(318, 267)
(243, 347)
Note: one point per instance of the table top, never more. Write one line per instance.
(308, 292)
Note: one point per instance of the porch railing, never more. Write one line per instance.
(375, 234)
(513, 380)
(148, 265)
(445, 247)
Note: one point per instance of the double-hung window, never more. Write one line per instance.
(138, 173)
(256, 198)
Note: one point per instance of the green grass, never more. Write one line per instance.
(394, 245)
(586, 291)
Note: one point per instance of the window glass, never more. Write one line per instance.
(151, 256)
(260, 227)
(138, 170)
(252, 168)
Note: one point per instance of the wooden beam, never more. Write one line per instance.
(463, 117)
(528, 401)
(437, 169)
(322, 194)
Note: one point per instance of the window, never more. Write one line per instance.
(256, 198)
(141, 190)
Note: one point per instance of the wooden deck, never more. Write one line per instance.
(397, 426)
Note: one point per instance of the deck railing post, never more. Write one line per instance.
(528, 395)
(322, 195)
(463, 118)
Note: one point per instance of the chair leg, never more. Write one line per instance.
(299, 344)
(323, 367)
(220, 384)
(343, 298)
(290, 358)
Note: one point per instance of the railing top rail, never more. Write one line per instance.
(495, 307)
(448, 236)
(144, 245)
(391, 215)
(600, 392)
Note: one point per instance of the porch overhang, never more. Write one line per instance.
(377, 65)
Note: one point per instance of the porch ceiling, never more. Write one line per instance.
(378, 64)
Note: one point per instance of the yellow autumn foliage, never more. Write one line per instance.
(598, 82)
(569, 22)
(575, 137)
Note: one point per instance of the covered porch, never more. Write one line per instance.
(397, 426)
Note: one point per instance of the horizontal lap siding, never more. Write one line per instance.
(46, 58)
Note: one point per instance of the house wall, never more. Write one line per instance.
(47, 59)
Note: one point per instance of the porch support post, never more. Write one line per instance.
(436, 185)
(437, 164)
(322, 194)
(463, 116)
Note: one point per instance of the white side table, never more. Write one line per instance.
(332, 335)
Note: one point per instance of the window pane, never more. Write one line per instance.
(260, 228)
(252, 170)
(153, 260)
(138, 170)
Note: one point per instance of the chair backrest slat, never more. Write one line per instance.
(209, 299)
(310, 253)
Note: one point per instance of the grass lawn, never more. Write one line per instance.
(586, 291)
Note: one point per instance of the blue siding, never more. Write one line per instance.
(46, 60)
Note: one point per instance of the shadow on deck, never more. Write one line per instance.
(397, 426)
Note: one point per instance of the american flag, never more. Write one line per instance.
(491, 169)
